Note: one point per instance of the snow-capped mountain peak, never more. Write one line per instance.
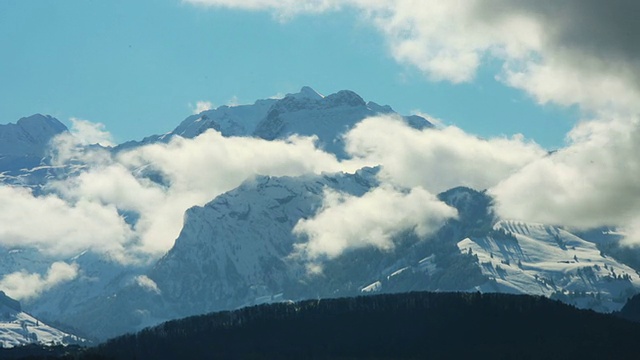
(29, 136)
(345, 98)
(24, 144)
(306, 93)
(306, 113)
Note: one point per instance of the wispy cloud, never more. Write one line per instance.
(201, 106)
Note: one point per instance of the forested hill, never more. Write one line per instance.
(414, 325)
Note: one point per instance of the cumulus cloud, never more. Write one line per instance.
(415, 164)
(425, 162)
(592, 182)
(159, 182)
(437, 159)
(347, 222)
(22, 285)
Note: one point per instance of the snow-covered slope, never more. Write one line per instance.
(529, 258)
(19, 328)
(234, 250)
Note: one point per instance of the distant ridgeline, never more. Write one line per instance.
(398, 326)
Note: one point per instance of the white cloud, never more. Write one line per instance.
(425, 162)
(201, 106)
(58, 227)
(90, 133)
(591, 183)
(194, 171)
(23, 286)
(79, 145)
(347, 222)
(437, 159)
(146, 283)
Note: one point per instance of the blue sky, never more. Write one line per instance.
(139, 66)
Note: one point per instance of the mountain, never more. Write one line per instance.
(237, 249)
(400, 326)
(231, 252)
(304, 113)
(29, 136)
(23, 146)
(631, 310)
(18, 328)
(96, 277)
(529, 258)
(310, 114)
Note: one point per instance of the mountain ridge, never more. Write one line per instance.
(236, 250)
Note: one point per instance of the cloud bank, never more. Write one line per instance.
(135, 199)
